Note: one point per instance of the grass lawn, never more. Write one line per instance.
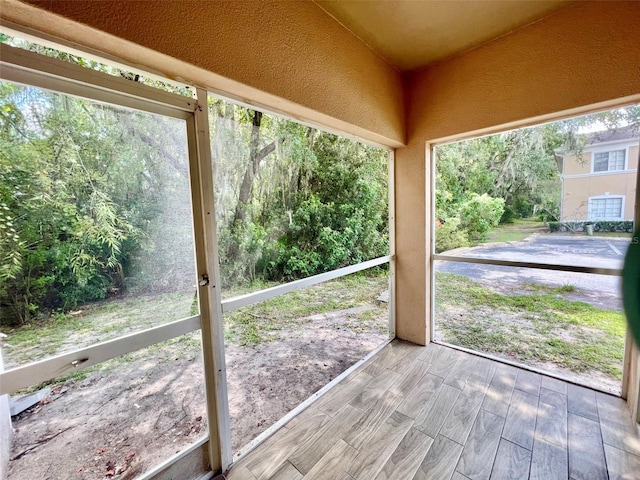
(250, 325)
(93, 323)
(516, 231)
(101, 321)
(532, 324)
(257, 323)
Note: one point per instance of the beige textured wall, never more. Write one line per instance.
(522, 78)
(576, 193)
(575, 166)
(286, 56)
(575, 205)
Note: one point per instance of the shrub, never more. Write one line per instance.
(450, 236)
(340, 218)
(479, 214)
(522, 206)
(326, 236)
(554, 226)
(598, 226)
(508, 216)
(613, 226)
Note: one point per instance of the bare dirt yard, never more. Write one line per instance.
(131, 413)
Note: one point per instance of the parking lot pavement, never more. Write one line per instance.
(604, 252)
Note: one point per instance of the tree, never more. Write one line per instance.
(517, 167)
(291, 200)
(341, 218)
(83, 189)
(95, 200)
(254, 168)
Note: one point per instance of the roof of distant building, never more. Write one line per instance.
(614, 135)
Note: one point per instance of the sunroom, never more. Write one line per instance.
(402, 78)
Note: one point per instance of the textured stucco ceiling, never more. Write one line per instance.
(411, 34)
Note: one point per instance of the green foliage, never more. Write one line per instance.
(613, 226)
(313, 203)
(81, 195)
(342, 218)
(610, 120)
(518, 167)
(450, 236)
(480, 214)
(95, 201)
(554, 226)
(599, 226)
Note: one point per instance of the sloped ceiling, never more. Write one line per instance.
(411, 34)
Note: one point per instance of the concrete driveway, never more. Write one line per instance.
(585, 251)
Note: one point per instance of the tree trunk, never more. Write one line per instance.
(256, 154)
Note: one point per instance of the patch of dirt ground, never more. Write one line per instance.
(126, 418)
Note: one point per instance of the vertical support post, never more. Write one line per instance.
(632, 350)
(207, 264)
(430, 163)
(635, 411)
(626, 365)
(392, 243)
(6, 431)
(631, 364)
(412, 276)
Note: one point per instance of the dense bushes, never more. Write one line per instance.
(449, 236)
(95, 200)
(474, 218)
(598, 226)
(498, 178)
(318, 202)
(479, 214)
(341, 218)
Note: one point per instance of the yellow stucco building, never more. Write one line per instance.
(600, 184)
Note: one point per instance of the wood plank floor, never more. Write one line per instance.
(436, 413)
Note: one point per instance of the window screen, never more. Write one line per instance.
(606, 208)
(608, 161)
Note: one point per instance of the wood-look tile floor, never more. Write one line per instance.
(434, 412)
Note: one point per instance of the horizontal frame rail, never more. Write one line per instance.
(28, 68)
(50, 368)
(616, 272)
(262, 295)
(53, 367)
(49, 41)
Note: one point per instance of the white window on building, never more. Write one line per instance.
(609, 208)
(609, 161)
